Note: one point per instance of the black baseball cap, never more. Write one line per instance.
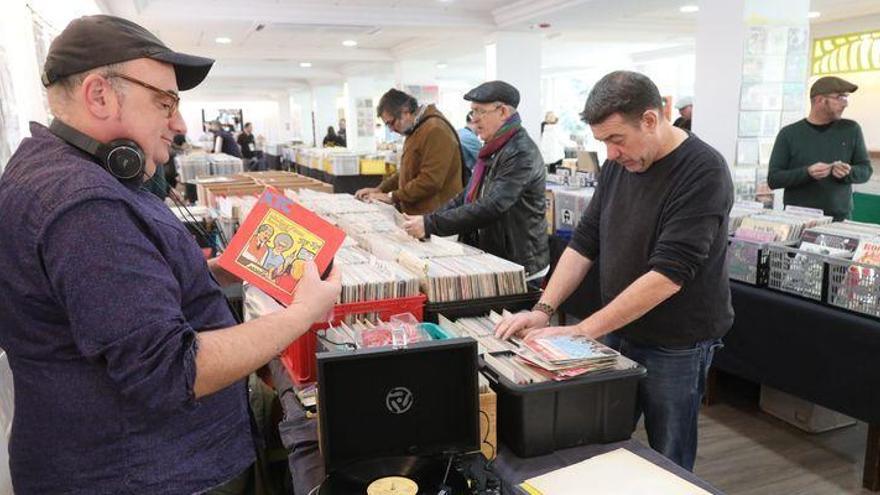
(98, 40)
(493, 91)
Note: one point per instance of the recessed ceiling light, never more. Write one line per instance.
(349, 43)
(305, 64)
(689, 9)
(441, 65)
(223, 40)
(813, 14)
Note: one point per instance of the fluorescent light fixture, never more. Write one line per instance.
(442, 65)
(223, 40)
(349, 43)
(305, 64)
(813, 14)
(689, 9)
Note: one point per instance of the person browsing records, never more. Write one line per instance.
(819, 158)
(129, 367)
(657, 226)
(430, 170)
(502, 209)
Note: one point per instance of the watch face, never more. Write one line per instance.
(393, 485)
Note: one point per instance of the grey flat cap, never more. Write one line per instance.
(493, 91)
(684, 102)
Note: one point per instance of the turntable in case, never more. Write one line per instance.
(392, 420)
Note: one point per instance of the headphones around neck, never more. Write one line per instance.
(123, 158)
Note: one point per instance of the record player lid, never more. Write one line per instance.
(421, 400)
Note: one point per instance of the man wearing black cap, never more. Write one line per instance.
(502, 209)
(129, 366)
(819, 158)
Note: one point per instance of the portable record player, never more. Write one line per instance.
(391, 420)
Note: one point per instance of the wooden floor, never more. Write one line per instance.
(743, 451)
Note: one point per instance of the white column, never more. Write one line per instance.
(324, 108)
(749, 66)
(515, 58)
(300, 115)
(284, 118)
(360, 114)
(721, 34)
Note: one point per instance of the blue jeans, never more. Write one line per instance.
(670, 394)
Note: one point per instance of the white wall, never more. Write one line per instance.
(21, 64)
(864, 103)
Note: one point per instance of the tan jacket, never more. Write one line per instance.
(430, 167)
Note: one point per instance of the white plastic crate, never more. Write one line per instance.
(801, 413)
(344, 164)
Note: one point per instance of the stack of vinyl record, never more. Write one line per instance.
(457, 278)
(377, 280)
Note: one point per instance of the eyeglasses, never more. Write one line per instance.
(479, 113)
(838, 97)
(170, 99)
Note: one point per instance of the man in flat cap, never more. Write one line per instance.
(430, 172)
(685, 107)
(657, 227)
(819, 158)
(502, 209)
(129, 367)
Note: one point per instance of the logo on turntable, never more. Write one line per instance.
(399, 400)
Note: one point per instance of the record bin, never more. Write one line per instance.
(538, 418)
(854, 286)
(747, 261)
(299, 357)
(481, 307)
(797, 272)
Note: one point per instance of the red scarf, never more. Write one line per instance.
(510, 127)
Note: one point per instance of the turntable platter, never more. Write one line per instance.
(393, 485)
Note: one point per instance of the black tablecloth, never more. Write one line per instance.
(299, 434)
(819, 353)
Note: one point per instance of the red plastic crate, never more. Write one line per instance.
(299, 357)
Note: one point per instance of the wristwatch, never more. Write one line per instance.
(544, 308)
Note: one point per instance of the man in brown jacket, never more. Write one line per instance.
(430, 172)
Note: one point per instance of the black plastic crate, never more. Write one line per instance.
(539, 418)
(481, 307)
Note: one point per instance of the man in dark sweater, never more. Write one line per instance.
(819, 158)
(657, 226)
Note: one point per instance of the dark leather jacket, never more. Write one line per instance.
(507, 219)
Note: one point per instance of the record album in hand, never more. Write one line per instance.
(276, 240)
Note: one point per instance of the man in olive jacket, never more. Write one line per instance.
(430, 172)
(502, 209)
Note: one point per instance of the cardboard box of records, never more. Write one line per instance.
(488, 420)
(549, 210)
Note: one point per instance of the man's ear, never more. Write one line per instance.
(650, 120)
(99, 98)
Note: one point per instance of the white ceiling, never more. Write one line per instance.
(270, 38)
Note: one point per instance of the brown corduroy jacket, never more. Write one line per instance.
(429, 174)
